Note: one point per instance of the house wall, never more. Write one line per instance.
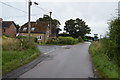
(0, 31)
(11, 31)
(36, 35)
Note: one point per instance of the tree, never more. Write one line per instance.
(55, 24)
(76, 28)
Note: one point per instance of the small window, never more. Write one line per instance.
(32, 29)
(24, 29)
(39, 37)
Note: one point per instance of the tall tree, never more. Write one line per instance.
(76, 28)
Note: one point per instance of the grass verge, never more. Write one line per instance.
(17, 52)
(14, 59)
(104, 66)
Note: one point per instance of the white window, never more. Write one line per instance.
(39, 37)
(24, 29)
(32, 29)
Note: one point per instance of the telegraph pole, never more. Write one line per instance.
(29, 24)
(50, 24)
(119, 9)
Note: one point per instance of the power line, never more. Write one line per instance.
(13, 7)
(42, 9)
(21, 16)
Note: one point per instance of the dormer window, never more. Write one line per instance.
(32, 29)
(24, 29)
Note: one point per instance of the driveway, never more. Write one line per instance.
(63, 62)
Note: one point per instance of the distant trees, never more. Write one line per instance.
(76, 28)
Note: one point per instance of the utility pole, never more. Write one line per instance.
(119, 9)
(50, 25)
(29, 24)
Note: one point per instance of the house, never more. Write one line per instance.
(8, 28)
(40, 30)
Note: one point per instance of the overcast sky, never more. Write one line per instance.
(95, 13)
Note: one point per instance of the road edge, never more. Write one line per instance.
(21, 70)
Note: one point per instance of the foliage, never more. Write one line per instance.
(17, 52)
(11, 59)
(66, 40)
(17, 28)
(63, 41)
(80, 39)
(115, 40)
(76, 28)
(103, 64)
(21, 37)
(54, 22)
(21, 44)
(5, 35)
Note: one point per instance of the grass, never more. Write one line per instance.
(104, 66)
(14, 59)
(17, 52)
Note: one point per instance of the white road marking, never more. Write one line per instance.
(49, 51)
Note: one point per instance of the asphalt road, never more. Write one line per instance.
(64, 62)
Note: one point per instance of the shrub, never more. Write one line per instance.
(66, 40)
(105, 67)
(6, 35)
(63, 41)
(27, 44)
(115, 38)
(80, 39)
(18, 44)
(21, 37)
(10, 44)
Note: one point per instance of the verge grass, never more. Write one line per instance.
(17, 52)
(104, 66)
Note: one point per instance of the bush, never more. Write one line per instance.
(80, 39)
(63, 41)
(105, 67)
(10, 44)
(115, 38)
(27, 44)
(18, 44)
(6, 35)
(21, 37)
(17, 52)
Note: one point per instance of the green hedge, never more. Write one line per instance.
(105, 67)
(64, 41)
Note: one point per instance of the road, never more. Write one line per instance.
(64, 62)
